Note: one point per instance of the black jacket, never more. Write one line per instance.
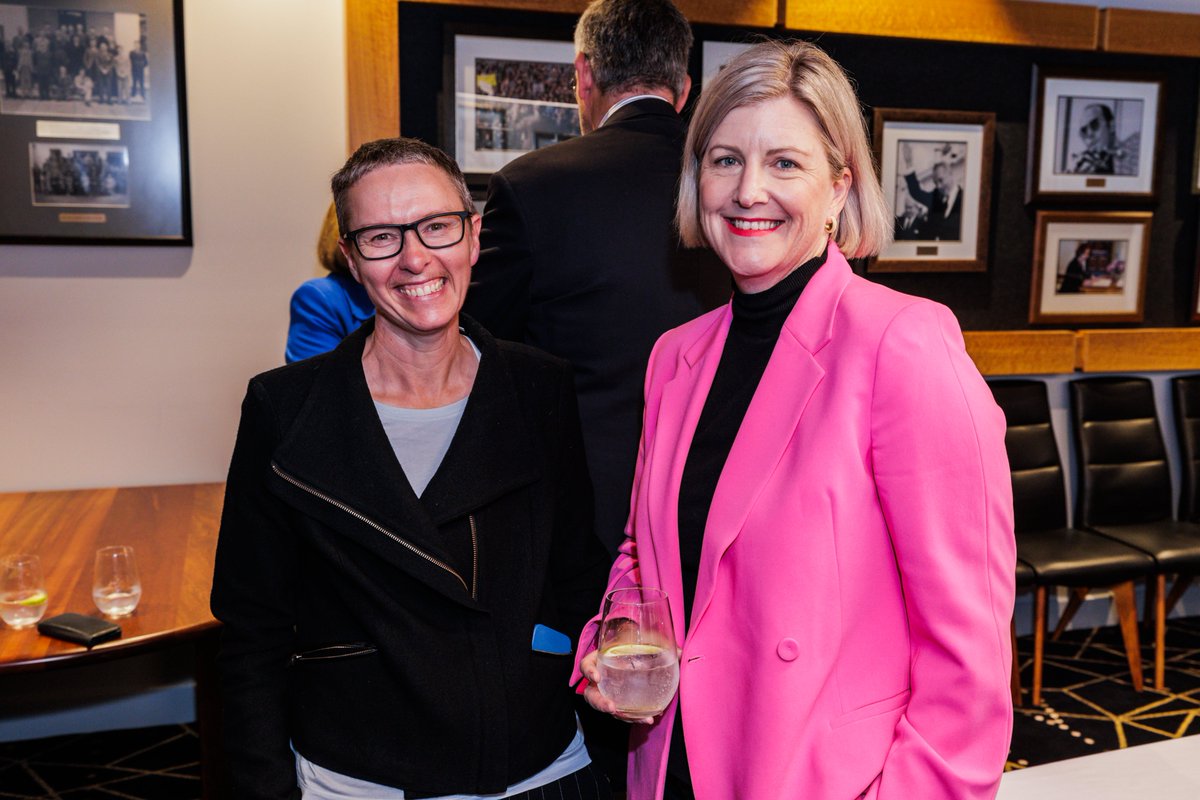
(389, 637)
(579, 257)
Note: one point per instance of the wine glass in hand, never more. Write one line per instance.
(638, 658)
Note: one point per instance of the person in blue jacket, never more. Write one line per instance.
(324, 310)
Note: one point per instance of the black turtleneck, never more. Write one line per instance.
(757, 320)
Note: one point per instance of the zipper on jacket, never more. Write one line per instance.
(402, 542)
(335, 651)
(474, 555)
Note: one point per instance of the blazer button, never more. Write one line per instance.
(789, 649)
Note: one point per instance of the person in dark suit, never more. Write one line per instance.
(944, 200)
(1077, 271)
(579, 252)
(910, 224)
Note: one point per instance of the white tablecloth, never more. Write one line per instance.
(1167, 770)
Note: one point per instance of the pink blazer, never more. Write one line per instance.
(850, 635)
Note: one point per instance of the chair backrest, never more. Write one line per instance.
(1187, 424)
(1124, 477)
(1039, 493)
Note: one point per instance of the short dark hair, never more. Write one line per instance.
(635, 44)
(386, 152)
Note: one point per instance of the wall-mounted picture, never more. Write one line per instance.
(74, 62)
(80, 174)
(93, 146)
(1092, 137)
(1196, 290)
(1196, 159)
(1089, 266)
(936, 168)
(511, 96)
(715, 55)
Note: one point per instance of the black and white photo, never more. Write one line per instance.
(74, 62)
(935, 168)
(1092, 138)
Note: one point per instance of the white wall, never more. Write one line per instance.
(126, 366)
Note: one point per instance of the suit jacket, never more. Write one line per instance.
(850, 633)
(579, 257)
(388, 637)
(944, 220)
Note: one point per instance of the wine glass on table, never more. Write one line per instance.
(22, 591)
(116, 588)
(638, 659)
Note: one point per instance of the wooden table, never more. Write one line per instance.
(173, 531)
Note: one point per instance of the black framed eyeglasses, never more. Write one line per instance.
(444, 229)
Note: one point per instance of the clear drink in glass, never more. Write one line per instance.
(639, 659)
(22, 591)
(116, 588)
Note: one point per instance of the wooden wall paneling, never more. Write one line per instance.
(372, 70)
(751, 13)
(1124, 30)
(1018, 22)
(1022, 352)
(1139, 349)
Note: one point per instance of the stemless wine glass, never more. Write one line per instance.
(116, 587)
(639, 659)
(22, 590)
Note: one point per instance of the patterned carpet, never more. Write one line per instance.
(1088, 706)
(160, 763)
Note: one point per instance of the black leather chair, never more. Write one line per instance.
(1025, 581)
(1060, 555)
(1186, 389)
(1125, 485)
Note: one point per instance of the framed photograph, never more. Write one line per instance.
(93, 145)
(511, 96)
(1092, 137)
(936, 168)
(1196, 290)
(1196, 160)
(1089, 266)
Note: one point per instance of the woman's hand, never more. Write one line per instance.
(590, 667)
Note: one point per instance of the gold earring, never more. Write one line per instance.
(830, 225)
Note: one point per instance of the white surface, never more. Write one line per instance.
(126, 365)
(1164, 771)
(1178, 6)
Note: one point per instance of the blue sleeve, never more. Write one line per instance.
(316, 326)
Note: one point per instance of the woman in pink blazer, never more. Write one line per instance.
(822, 487)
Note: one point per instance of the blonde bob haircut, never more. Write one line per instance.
(806, 73)
(329, 254)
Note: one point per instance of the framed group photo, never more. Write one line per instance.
(936, 169)
(93, 143)
(511, 96)
(1091, 137)
(1089, 266)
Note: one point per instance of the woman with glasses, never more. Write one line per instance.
(406, 549)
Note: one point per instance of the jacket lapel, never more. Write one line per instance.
(338, 466)
(679, 411)
(489, 455)
(792, 375)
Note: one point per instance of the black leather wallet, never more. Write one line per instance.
(79, 628)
